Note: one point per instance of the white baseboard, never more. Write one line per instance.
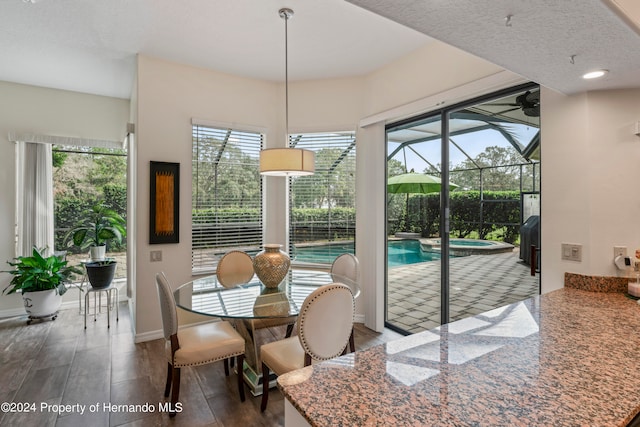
(149, 336)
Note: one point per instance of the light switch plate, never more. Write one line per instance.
(571, 252)
(156, 256)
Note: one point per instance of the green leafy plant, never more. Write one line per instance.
(38, 273)
(100, 225)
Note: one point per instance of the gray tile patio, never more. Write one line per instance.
(478, 283)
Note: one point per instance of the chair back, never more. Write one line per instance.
(326, 320)
(167, 306)
(234, 268)
(346, 265)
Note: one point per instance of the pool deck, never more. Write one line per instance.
(478, 283)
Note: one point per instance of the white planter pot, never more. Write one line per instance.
(41, 303)
(98, 252)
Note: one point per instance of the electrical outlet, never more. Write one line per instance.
(619, 251)
(156, 256)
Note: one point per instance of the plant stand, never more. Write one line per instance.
(97, 303)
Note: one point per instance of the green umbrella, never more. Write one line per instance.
(412, 182)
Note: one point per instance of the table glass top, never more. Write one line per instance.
(253, 300)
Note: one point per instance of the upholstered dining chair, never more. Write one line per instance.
(324, 324)
(194, 345)
(234, 268)
(347, 265)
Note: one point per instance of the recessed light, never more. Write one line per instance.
(595, 74)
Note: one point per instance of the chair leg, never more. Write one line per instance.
(240, 358)
(289, 330)
(175, 390)
(352, 342)
(226, 367)
(167, 388)
(265, 387)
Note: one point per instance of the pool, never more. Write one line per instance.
(401, 252)
(465, 247)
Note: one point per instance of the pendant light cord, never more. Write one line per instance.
(286, 78)
(286, 13)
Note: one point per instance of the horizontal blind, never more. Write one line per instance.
(226, 193)
(323, 204)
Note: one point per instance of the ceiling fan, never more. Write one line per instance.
(528, 102)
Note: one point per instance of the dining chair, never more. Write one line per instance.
(324, 324)
(195, 345)
(234, 268)
(347, 265)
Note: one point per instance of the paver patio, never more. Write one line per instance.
(478, 283)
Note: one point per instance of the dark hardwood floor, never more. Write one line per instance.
(53, 363)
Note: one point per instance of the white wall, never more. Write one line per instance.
(31, 109)
(589, 180)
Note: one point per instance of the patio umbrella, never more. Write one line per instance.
(412, 182)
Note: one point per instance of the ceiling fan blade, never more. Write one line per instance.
(532, 112)
(533, 97)
(505, 111)
(503, 104)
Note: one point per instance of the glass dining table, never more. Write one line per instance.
(260, 314)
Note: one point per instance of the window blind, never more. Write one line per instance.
(322, 205)
(226, 193)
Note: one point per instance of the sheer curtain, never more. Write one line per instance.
(34, 198)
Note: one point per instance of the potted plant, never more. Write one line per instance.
(100, 273)
(42, 282)
(100, 225)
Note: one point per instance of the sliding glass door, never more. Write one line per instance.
(414, 275)
(455, 246)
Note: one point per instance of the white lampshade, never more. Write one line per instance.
(287, 162)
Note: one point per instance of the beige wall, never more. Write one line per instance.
(38, 110)
(589, 176)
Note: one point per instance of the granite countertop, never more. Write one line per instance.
(566, 358)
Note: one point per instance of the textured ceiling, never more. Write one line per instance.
(90, 46)
(539, 39)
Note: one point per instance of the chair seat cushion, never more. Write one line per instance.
(283, 356)
(206, 343)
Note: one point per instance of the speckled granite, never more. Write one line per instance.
(567, 358)
(595, 283)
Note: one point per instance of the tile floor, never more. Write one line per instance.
(60, 363)
(478, 283)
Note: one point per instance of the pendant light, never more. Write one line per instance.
(286, 161)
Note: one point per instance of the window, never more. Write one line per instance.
(322, 205)
(226, 193)
(82, 177)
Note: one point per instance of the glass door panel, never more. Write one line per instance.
(413, 296)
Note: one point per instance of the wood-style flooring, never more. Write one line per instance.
(53, 363)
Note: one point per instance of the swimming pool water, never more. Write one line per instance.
(466, 242)
(401, 252)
